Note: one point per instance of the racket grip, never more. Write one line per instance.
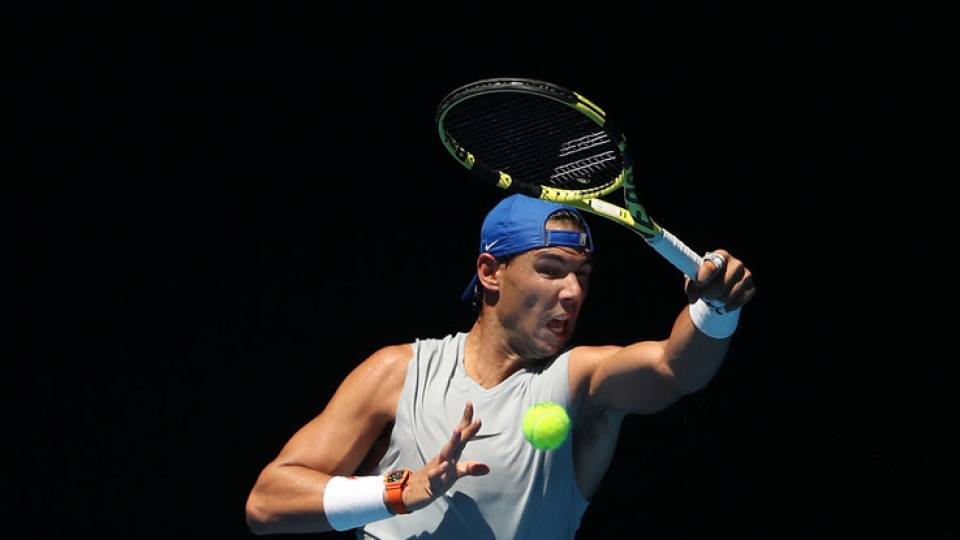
(675, 251)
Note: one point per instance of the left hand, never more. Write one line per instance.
(440, 473)
(732, 285)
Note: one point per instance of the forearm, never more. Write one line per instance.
(692, 356)
(288, 499)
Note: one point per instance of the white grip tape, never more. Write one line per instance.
(675, 251)
(353, 502)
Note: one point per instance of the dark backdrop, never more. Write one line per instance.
(222, 213)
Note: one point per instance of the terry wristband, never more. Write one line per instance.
(711, 323)
(351, 502)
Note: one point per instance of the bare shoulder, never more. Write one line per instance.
(387, 364)
(633, 379)
(390, 357)
(584, 363)
(593, 353)
(365, 404)
(380, 376)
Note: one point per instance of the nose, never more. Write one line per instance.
(571, 290)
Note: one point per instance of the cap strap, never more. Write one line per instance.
(575, 239)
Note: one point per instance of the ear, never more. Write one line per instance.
(487, 271)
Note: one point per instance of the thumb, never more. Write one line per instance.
(472, 468)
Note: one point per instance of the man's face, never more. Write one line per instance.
(541, 293)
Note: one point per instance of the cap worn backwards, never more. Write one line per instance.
(518, 223)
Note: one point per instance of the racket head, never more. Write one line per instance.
(534, 137)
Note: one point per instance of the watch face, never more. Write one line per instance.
(395, 476)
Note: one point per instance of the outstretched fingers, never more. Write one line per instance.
(444, 470)
(450, 453)
(467, 415)
(467, 428)
(451, 449)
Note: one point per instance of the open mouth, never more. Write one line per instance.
(557, 326)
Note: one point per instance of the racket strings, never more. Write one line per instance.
(588, 167)
(507, 132)
(535, 140)
(584, 143)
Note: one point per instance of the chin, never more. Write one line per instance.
(551, 344)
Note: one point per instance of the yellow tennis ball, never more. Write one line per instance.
(546, 425)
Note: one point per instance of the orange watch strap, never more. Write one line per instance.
(394, 484)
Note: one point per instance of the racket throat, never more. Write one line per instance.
(644, 226)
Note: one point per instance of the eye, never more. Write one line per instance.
(553, 272)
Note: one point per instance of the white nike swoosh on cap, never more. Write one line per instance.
(490, 245)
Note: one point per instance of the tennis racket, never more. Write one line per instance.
(542, 140)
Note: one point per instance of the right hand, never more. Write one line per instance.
(439, 475)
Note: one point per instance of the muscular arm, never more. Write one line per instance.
(288, 495)
(649, 376)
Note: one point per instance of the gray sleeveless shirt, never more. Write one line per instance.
(528, 493)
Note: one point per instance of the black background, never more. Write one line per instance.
(222, 212)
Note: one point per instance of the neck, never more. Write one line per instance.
(488, 358)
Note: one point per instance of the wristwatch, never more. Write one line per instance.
(394, 482)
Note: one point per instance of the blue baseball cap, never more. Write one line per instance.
(518, 223)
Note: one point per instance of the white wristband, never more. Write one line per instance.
(711, 323)
(351, 502)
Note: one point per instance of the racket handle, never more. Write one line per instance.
(675, 251)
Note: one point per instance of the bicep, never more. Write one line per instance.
(336, 441)
(633, 379)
